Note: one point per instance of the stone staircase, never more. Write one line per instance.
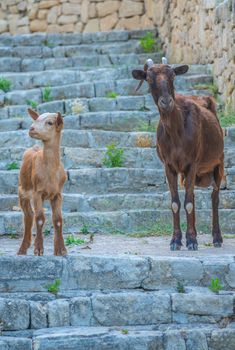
(124, 302)
(80, 70)
(105, 302)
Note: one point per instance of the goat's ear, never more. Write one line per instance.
(59, 120)
(33, 114)
(181, 69)
(139, 74)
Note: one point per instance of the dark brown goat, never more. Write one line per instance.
(189, 143)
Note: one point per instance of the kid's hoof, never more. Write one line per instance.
(22, 252)
(192, 246)
(175, 246)
(217, 244)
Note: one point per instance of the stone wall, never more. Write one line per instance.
(193, 31)
(200, 31)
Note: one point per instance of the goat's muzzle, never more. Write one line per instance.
(166, 103)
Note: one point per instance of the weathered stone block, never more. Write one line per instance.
(58, 313)
(14, 314)
(81, 311)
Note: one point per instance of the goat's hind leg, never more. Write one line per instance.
(28, 223)
(39, 220)
(216, 233)
(56, 204)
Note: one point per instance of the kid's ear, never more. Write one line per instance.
(139, 74)
(33, 114)
(59, 120)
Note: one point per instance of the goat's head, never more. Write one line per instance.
(45, 126)
(160, 78)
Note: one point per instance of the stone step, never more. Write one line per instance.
(144, 155)
(30, 80)
(127, 221)
(17, 64)
(99, 181)
(118, 308)
(190, 337)
(125, 201)
(112, 121)
(96, 89)
(30, 274)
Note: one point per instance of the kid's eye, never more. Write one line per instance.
(49, 123)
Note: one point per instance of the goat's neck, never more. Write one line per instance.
(173, 122)
(51, 153)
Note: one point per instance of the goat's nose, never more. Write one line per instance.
(165, 102)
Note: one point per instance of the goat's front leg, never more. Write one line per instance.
(216, 233)
(28, 223)
(56, 204)
(39, 220)
(172, 178)
(191, 233)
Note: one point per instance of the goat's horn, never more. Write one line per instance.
(149, 63)
(164, 60)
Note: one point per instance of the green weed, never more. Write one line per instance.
(125, 331)
(47, 232)
(215, 285)
(14, 236)
(71, 240)
(32, 103)
(54, 287)
(5, 84)
(158, 229)
(46, 94)
(146, 127)
(84, 229)
(226, 117)
(113, 157)
(210, 87)
(229, 236)
(180, 287)
(147, 42)
(12, 166)
(111, 94)
(46, 43)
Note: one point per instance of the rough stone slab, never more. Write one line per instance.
(223, 339)
(10, 343)
(14, 314)
(125, 309)
(81, 311)
(174, 341)
(104, 272)
(38, 315)
(58, 313)
(208, 305)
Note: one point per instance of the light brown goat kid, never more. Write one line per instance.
(42, 177)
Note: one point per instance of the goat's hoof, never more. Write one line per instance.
(192, 246)
(38, 252)
(217, 244)
(60, 252)
(175, 246)
(22, 252)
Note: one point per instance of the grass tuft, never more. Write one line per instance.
(113, 157)
(46, 94)
(215, 285)
(71, 240)
(147, 42)
(5, 84)
(12, 166)
(111, 94)
(32, 103)
(54, 287)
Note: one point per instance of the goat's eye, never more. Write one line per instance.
(49, 123)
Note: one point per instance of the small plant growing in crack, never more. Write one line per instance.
(124, 331)
(180, 287)
(5, 84)
(12, 166)
(215, 285)
(32, 103)
(46, 94)
(113, 157)
(84, 229)
(54, 287)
